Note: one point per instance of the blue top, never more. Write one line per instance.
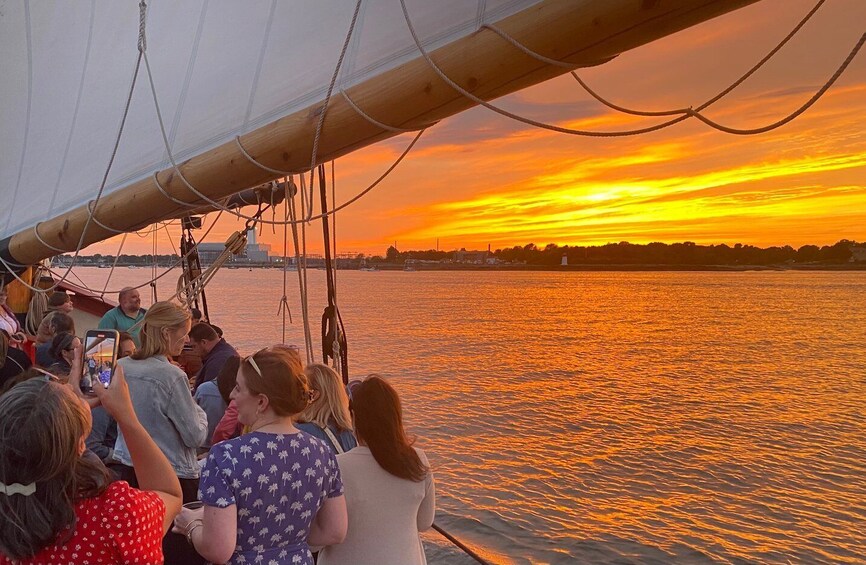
(211, 401)
(116, 319)
(278, 483)
(43, 355)
(345, 437)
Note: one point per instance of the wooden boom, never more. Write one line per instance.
(580, 32)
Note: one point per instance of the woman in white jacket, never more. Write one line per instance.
(389, 489)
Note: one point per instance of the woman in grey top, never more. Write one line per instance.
(163, 403)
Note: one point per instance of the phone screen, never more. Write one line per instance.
(100, 354)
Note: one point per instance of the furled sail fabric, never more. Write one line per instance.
(221, 69)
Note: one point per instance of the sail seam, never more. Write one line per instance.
(190, 68)
(255, 86)
(28, 38)
(77, 105)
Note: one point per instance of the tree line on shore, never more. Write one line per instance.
(625, 253)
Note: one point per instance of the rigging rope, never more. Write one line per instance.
(302, 278)
(164, 273)
(324, 110)
(284, 301)
(706, 104)
(687, 112)
(113, 265)
(334, 344)
(153, 269)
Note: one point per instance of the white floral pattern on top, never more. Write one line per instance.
(278, 483)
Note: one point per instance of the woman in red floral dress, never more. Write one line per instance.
(59, 506)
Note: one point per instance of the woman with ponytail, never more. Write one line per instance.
(390, 495)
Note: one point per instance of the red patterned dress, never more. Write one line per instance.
(123, 525)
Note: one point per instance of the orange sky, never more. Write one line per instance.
(480, 178)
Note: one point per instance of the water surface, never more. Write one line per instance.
(609, 417)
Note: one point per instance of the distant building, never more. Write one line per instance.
(564, 260)
(253, 253)
(475, 257)
(858, 254)
(208, 252)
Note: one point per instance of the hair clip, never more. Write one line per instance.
(17, 488)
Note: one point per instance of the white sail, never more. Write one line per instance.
(259, 71)
(221, 69)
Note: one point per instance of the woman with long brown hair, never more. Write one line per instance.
(390, 494)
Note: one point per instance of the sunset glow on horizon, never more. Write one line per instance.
(479, 179)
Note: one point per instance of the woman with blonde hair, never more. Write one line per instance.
(390, 495)
(270, 493)
(162, 399)
(327, 417)
(61, 507)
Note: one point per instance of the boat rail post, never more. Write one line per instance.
(460, 544)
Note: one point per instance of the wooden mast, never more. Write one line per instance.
(583, 33)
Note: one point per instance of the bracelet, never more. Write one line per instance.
(191, 528)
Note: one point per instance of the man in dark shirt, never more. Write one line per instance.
(213, 349)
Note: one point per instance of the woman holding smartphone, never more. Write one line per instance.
(60, 507)
(161, 398)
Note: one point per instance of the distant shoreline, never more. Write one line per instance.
(416, 267)
(636, 267)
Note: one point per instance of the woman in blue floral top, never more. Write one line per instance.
(269, 494)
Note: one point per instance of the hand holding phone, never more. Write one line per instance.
(115, 398)
(100, 356)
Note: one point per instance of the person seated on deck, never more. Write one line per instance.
(327, 417)
(58, 302)
(161, 398)
(213, 349)
(390, 495)
(13, 361)
(125, 317)
(9, 321)
(271, 492)
(211, 398)
(59, 323)
(61, 507)
(62, 353)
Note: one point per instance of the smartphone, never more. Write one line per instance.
(100, 355)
